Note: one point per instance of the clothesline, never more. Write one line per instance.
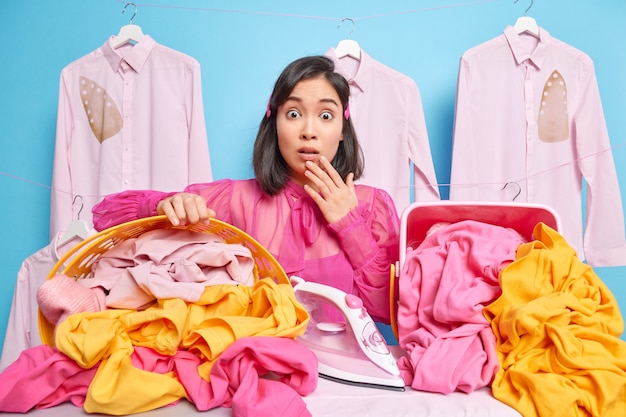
(545, 171)
(296, 15)
(407, 185)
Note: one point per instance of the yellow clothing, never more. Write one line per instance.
(224, 314)
(557, 328)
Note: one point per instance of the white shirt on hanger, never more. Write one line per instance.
(23, 324)
(387, 113)
(528, 112)
(128, 118)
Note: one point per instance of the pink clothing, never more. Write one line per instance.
(43, 377)
(529, 114)
(62, 296)
(236, 378)
(22, 327)
(444, 284)
(353, 254)
(123, 115)
(168, 263)
(386, 109)
(23, 324)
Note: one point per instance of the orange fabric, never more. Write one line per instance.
(224, 314)
(557, 328)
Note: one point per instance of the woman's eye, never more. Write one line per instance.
(326, 115)
(293, 114)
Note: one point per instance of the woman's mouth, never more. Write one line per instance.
(308, 154)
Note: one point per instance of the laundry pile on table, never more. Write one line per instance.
(213, 343)
(480, 306)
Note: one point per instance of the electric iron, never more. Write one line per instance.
(351, 351)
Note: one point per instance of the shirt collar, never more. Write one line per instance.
(521, 50)
(363, 77)
(295, 189)
(135, 56)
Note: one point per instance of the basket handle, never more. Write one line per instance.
(392, 300)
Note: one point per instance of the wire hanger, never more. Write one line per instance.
(77, 228)
(532, 2)
(519, 189)
(526, 24)
(348, 47)
(130, 32)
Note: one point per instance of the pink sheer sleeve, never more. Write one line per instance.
(369, 235)
(218, 195)
(136, 204)
(125, 206)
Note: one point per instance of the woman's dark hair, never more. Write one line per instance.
(270, 168)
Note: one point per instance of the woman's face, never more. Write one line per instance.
(309, 125)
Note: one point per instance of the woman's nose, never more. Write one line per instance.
(308, 129)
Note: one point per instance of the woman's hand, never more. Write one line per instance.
(334, 197)
(184, 208)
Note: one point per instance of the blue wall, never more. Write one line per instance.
(241, 52)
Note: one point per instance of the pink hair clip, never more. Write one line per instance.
(346, 112)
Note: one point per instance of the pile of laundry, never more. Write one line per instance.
(169, 315)
(479, 305)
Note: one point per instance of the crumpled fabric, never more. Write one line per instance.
(444, 285)
(61, 296)
(557, 329)
(241, 378)
(223, 315)
(168, 263)
(43, 377)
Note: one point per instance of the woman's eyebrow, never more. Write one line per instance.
(329, 100)
(322, 100)
(294, 98)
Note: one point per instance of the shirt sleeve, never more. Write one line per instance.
(462, 148)
(131, 205)
(16, 338)
(61, 194)
(125, 206)
(604, 240)
(218, 196)
(199, 158)
(424, 178)
(369, 235)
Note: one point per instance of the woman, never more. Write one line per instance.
(302, 205)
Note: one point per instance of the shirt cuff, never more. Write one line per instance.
(355, 238)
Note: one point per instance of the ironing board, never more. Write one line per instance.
(332, 399)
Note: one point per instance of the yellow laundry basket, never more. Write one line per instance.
(418, 218)
(78, 261)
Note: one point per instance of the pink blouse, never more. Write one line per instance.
(353, 254)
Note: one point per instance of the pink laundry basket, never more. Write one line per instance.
(418, 218)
